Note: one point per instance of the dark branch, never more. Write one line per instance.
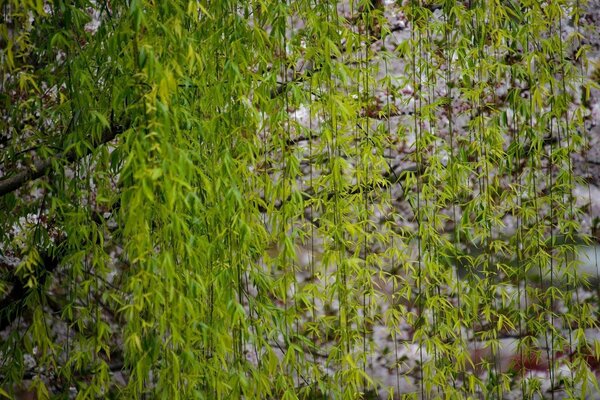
(40, 167)
(12, 305)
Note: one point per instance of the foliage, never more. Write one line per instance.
(171, 227)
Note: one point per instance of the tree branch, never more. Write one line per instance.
(40, 167)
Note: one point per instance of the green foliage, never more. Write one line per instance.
(182, 232)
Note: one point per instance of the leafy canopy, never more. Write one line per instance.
(230, 199)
